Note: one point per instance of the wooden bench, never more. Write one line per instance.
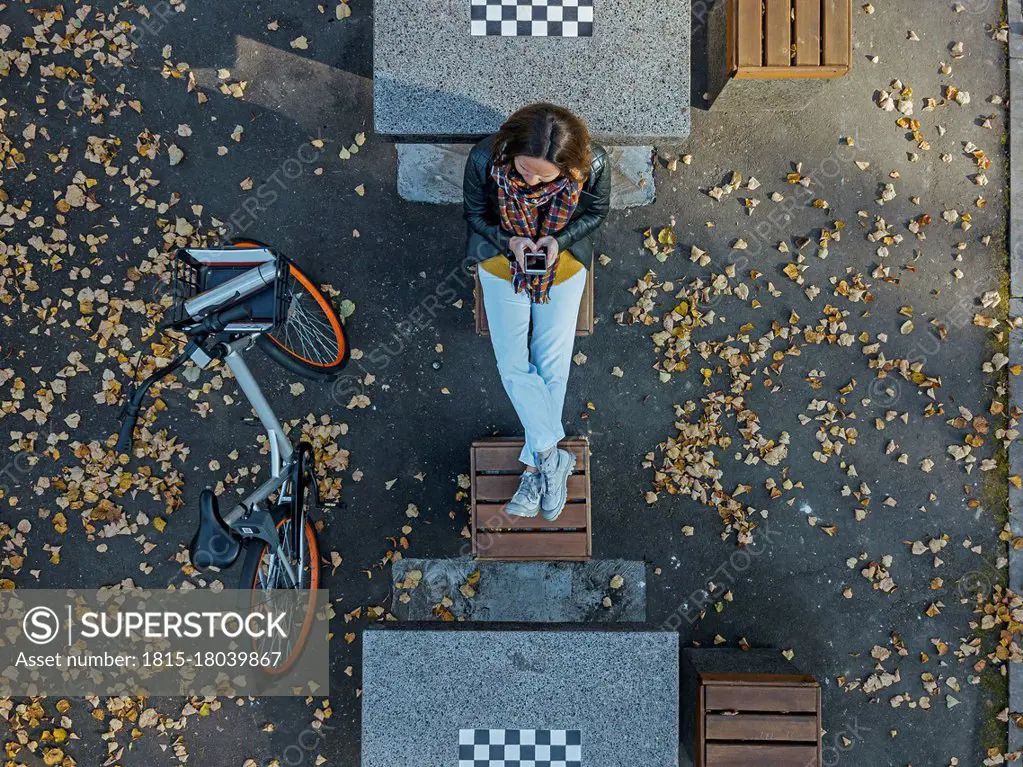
(583, 327)
(495, 472)
(781, 39)
(750, 718)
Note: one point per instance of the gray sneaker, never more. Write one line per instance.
(556, 469)
(526, 501)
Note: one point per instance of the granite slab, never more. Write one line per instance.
(421, 689)
(519, 592)
(432, 173)
(629, 80)
(1015, 704)
(1015, 177)
(1014, 17)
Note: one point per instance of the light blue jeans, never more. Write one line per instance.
(534, 371)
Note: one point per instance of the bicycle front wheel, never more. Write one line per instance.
(310, 341)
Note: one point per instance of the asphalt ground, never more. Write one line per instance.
(433, 385)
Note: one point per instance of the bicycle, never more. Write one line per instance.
(232, 298)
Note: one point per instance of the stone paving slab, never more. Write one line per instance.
(1014, 15)
(1015, 353)
(1015, 454)
(1015, 173)
(432, 173)
(431, 77)
(522, 592)
(620, 690)
(1015, 704)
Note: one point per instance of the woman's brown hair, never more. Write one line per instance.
(549, 132)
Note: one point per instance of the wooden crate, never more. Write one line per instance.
(782, 39)
(583, 325)
(757, 720)
(495, 472)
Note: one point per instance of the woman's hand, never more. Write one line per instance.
(550, 244)
(519, 246)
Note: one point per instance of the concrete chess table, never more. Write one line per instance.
(564, 698)
(438, 73)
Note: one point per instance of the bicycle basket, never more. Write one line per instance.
(208, 280)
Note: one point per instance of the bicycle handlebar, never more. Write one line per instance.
(130, 416)
(132, 406)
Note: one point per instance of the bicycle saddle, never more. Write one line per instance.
(213, 544)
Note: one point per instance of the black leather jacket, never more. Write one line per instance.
(487, 238)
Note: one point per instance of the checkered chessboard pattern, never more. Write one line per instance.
(532, 18)
(519, 748)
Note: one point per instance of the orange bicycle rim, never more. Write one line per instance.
(328, 311)
(314, 583)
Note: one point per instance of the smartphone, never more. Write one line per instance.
(536, 263)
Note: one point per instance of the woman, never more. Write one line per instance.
(537, 185)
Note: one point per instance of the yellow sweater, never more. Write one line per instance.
(567, 266)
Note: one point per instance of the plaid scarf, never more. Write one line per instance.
(519, 206)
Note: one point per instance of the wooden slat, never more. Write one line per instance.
(808, 32)
(777, 32)
(837, 29)
(584, 323)
(533, 545)
(761, 698)
(491, 516)
(589, 506)
(743, 678)
(478, 312)
(472, 495)
(503, 455)
(731, 38)
(773, 73)
(749, 28)
(501, 487)
(758, 727)
(701, 726)
(774, 755)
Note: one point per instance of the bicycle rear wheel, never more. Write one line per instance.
(263, 574)
(310, 340)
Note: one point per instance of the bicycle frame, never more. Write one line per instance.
(282, 454)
